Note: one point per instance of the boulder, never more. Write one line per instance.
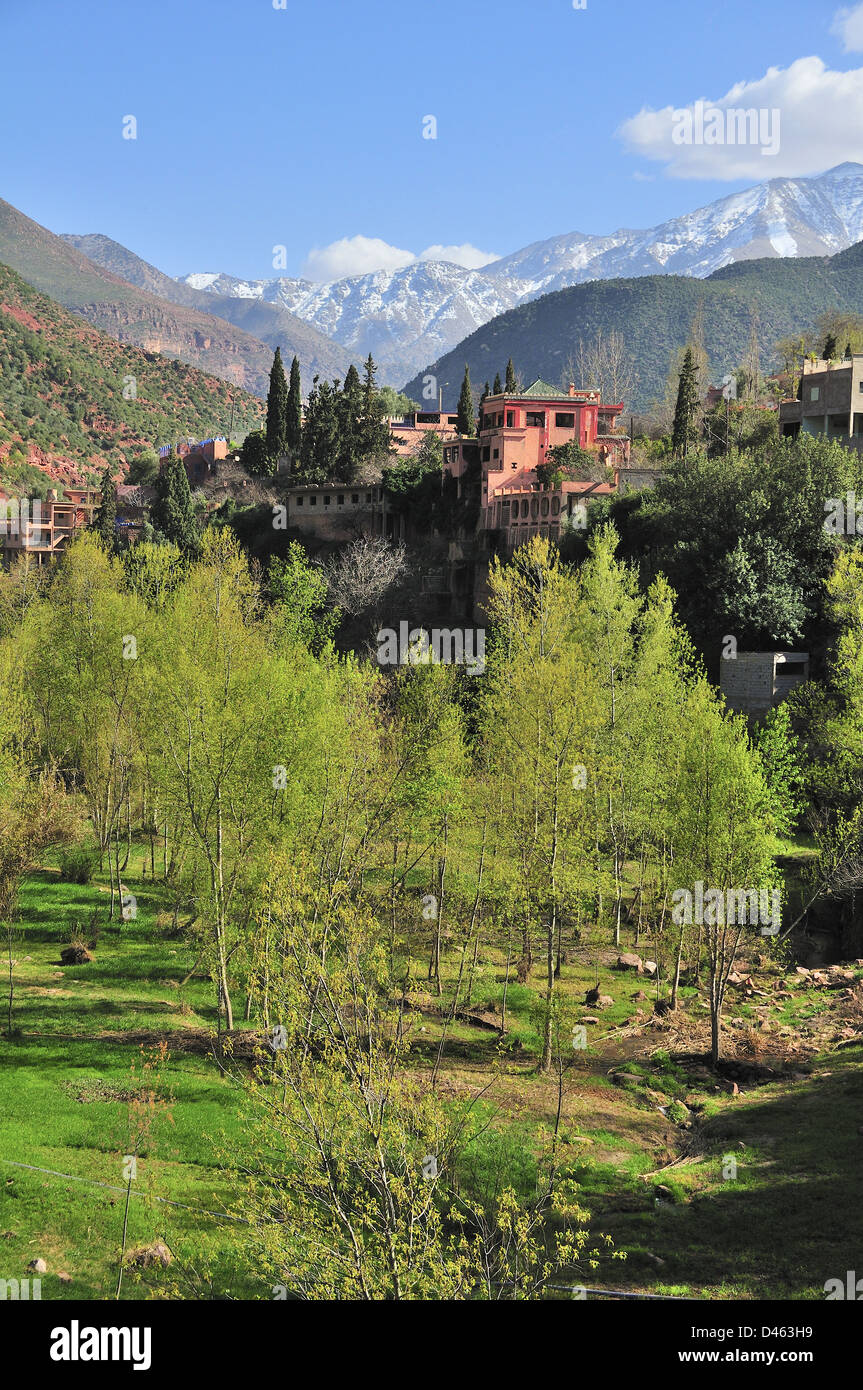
(630, 961)
(38, 1266)
(604, 1001)
(75, 955)
(149, 1255)
(649, 967)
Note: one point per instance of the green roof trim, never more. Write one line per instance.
(540, 388)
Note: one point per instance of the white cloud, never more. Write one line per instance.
(465, 255)
(848, 26)
(360, 255)
(353, 255)
(816, 113)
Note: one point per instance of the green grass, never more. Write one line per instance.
(59, 1077)
(71, 1073)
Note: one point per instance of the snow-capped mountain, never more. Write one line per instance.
(405, 318)
(410, 317)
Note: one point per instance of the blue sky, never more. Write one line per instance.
(302, 127)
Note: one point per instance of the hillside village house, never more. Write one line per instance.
(48, 533)
(406, 431)
(199, 457)
(829, 402)
(516, 432)
(341, 512)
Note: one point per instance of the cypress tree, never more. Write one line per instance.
(320, 452)
(106, 513)
(374, 434)
(172, 510)
(466, 420)
(350, 409)
(511, 384)
(277, 409)
(497, 389)
(828, 352)
(686, 407)
(482, 401)
(294, 422)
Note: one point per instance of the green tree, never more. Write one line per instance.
(496, 389)
(277, 411)
(349, 408)
(373, 435)
(321, 441)
(686, 409)
(511, 382)
(779, 750)
(105, 519)
(253, 454)
(466, 419)
(172, 512)
(294, 413)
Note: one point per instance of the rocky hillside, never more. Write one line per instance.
(72, 399)
(271, 322)
(142, 319)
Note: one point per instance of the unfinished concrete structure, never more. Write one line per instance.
(753, 683)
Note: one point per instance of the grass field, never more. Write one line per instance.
(705, 1192)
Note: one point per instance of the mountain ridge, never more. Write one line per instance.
(413, 315)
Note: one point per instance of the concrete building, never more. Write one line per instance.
(341, 512)
(406, 431)
(45, 530)
(753, 683)
(829, 402)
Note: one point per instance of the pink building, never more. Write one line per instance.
(406, 431)
(516, 432)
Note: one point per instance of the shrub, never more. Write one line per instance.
(76, 865)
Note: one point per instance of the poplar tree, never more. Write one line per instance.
(466, 420)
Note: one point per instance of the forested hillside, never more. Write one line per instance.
(655, 315)
(70, 394)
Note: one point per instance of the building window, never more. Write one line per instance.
(326, 499)
(564, 420)
(814, 392)
(299, 501)
(355, 497)
(495, 453)
(486, 453)
(341, 499)
(510, 415)
(368, 497)
(535, 419)
(313, 501)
